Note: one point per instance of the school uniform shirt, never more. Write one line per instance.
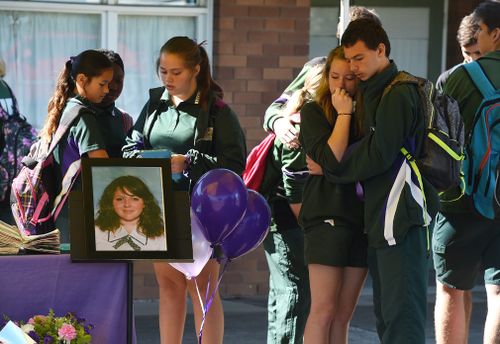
(83, 136)
(461, 88)
(122, 240)
(393, 199)
(211, 138)
(274, 112)
(283, 183)
(323, 199)
(114, 124)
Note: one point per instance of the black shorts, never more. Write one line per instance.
(336, 243)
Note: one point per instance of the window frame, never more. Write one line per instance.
(110, 12)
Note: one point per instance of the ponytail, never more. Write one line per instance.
(90, 63)
(64, 90)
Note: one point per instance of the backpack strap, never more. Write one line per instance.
(406, 78)
(74, 169)
(479, 78)
(127, 122)
(64, 125)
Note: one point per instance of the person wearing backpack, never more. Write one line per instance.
(188, 117)
(83, 82)
(396, 219)
(16, 138)
(466, 38)
(465, 241)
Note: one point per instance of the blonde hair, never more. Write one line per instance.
(306, 93)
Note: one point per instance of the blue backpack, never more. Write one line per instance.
(482, 155)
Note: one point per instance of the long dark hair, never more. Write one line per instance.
(90, 63)
(193, 54)
(150, 221)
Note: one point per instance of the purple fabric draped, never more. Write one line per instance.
(30, 285)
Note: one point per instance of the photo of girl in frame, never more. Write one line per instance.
(128, 215)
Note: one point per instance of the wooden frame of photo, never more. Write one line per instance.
(99, 177)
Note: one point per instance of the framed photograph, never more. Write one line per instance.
(130, 211)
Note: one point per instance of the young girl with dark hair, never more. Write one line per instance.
(188, 117)
(83, 81)
(113, 121)
(129, 218)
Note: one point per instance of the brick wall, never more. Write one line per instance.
(259, 46)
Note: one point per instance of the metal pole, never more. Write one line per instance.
(344, 17)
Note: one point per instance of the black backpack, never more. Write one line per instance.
(16, 138)
(442, 155)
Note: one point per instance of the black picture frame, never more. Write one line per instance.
(96, 174)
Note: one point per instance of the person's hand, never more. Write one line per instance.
(313, 168)
(342, 101)
(178, 163)
(286, 132)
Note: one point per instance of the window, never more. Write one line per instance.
(38, 38)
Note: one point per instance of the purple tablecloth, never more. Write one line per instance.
(30, 285)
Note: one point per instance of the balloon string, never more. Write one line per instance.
(208, 302)
(202, 308)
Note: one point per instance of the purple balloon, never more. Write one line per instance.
(219, 200)
(251, 231)
(202, 251)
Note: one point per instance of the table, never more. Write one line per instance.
(98, 292)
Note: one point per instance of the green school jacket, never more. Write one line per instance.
(217, 141)
(283, 183)
(393, 199)
(323, 199)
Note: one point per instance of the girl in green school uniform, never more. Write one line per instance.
(83, 81)
(331, 213)
(187, 117)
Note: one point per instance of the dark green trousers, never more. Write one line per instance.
(400, 276)
(289, 296)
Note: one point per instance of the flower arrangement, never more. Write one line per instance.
(49, 329)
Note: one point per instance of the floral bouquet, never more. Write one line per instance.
(49, 329)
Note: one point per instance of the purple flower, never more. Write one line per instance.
(34, 336)
(48, 339)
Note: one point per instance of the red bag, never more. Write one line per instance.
(256, 163)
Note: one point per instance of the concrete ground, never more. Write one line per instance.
(246, 320)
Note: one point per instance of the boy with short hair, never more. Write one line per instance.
(464, 242)
(466, 38)
(396, 218)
